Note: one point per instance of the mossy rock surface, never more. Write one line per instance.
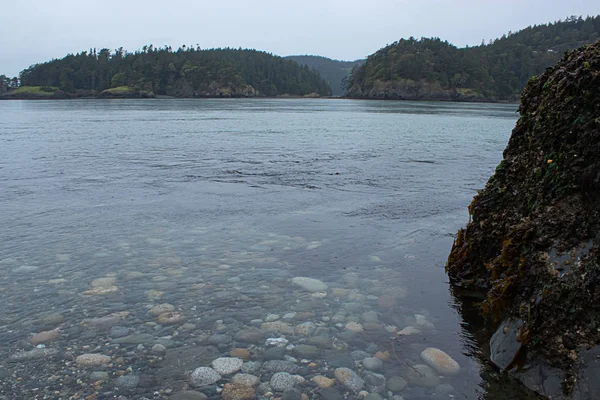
(36, 92)
(532, 244)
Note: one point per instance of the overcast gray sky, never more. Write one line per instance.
(33, 31)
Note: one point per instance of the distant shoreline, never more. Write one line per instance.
(163, 97)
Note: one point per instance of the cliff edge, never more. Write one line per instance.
(531, 249)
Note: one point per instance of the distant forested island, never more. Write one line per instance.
(335, 72)
(409, 69)
(433, 69)
(185, 72)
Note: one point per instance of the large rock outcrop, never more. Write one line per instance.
(183, 88)
(406, 89)
(531, 249)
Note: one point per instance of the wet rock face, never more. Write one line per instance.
(505, 345)
(531, 245)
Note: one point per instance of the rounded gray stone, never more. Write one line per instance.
(305, 328)
(396, 384)
(309, 284)
(280, 366)
(118, 331)
(274, 353)
(331, 394)
(219, 338)
(422, 375)
(306, 351)
(159, 349)
(375, 382)
(250, 335)
(188, 395)
(245, 380)
(359, 355)
(444, 389)
(251, 367)
(281, 381)
(291, 394)
(99, 376)
(370, 316)
(227, 365)
(349, 379)
(204, 376)
(372, 363)
(263, 388)
(128, 382)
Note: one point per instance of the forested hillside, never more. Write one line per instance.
(185, 72)
(436, 70)
(334, 72)
(7, 83)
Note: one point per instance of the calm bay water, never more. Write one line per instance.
(110, 208)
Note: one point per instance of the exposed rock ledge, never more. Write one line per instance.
(406, 89)
(531, 247)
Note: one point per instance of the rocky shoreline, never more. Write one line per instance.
(418, 91)
(129, 93)
(318, 346)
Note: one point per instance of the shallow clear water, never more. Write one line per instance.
(213, 206)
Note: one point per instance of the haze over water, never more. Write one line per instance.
(110, 208)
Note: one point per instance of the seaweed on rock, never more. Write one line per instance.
(531, 245)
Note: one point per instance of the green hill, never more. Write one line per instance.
(186, 72)
(334, 72)
(432, 69)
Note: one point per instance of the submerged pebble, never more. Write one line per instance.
(280, 366)
(34, 354)
(278, 342)
(232, 391)
(305, 329)
(408, 331)
(94, 359)
(169, 318)
(372, 363)
(422, 375)
(44, 336)
(277, 327)
(354, 327)
(310, 284)
(251, 367)
(396, 384)
(349, 379)
(118, 331)
(128, 382)
(281, 381)
(161, 309)
(440, 361)
(188, 395)
(245, 379)
(204, 376)
(322, 381)
(250, 335)
(99, 376)
(227, 365)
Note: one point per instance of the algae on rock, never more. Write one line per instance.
(531, 246)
